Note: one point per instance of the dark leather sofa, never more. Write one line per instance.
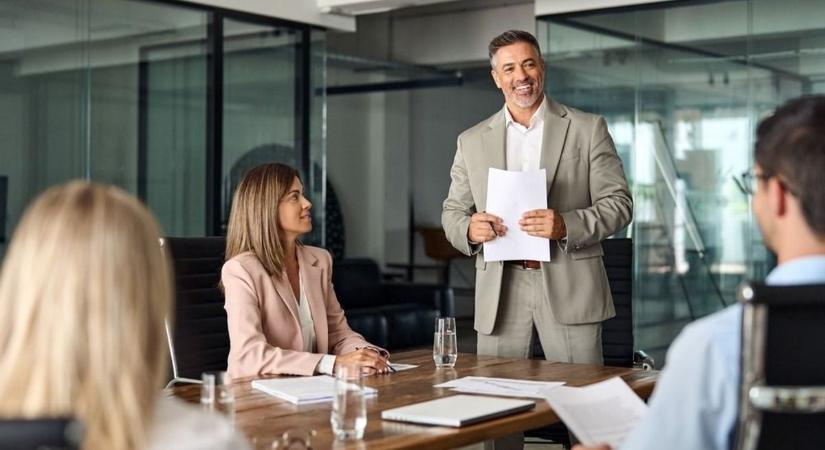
(393, 315)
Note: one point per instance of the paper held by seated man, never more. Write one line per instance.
(509, 195)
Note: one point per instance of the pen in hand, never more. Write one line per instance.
(372, 349)
(492, 227)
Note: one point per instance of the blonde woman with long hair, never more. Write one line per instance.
(84, 291)
(284, 317)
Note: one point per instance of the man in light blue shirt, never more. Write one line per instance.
(695, 403)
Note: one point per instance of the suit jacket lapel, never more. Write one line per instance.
(313, 287)
(555, 133)
(494, 152)
(285, 292)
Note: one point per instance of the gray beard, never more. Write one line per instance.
(529, 102)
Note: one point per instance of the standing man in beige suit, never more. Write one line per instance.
(567, 298)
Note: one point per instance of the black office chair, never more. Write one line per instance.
(40, 434)
(199, 339)
(782, 395)
(393, 315)
(617, 332)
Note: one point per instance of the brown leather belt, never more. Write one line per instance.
(527, 264)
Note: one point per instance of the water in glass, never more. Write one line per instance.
(217, 394)
(445, 343)
(349, 409)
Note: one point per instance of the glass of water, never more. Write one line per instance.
(217, 394)
(445, 344)
(349, 407)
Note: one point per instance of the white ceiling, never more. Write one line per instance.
(356, 7)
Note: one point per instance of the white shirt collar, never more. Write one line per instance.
(537, 116)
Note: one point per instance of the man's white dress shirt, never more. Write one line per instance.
(523, 146)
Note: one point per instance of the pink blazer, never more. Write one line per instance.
(262, 314)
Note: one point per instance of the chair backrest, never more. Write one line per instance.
(782, 391)
(617, 333)
(200, 333)
(357, 282)
(40, 434)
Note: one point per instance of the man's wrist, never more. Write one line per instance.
(563, 230)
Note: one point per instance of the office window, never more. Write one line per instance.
(682, 86)
(160, 99)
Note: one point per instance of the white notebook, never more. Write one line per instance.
(302, 390)
(458, 410)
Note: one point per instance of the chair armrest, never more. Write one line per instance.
(642, 360)
(436, 296)
(788, 399)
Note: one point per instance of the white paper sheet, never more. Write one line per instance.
(400, 366)
(600, 413)
(507, 387)
(509, 195)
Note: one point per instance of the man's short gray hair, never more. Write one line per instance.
(511, 37)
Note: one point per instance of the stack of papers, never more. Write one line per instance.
(500, 386)
(509, 195)
(303, 390)
(600, 413)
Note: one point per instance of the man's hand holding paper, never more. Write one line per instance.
(509, 196)
(485, 227)
(546, 223)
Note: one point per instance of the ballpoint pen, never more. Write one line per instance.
(491, 226)
(389, 364)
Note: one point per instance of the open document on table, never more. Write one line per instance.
(600, 413)
(509, 195)
(507, 387)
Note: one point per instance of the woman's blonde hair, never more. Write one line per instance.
(253, 222)
(84, 291)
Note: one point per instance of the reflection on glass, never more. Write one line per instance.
(682, 87)
(73, 77)
(117, 91)
(259, 108)
(172, 91)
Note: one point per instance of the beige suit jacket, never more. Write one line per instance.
(262, 314)
(585, 184)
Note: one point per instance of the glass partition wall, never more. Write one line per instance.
(682, 86)
(171, 103)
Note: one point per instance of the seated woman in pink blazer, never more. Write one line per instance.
(281, 308)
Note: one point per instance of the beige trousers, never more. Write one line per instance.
(523, 305)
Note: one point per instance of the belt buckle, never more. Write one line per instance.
(525, 264)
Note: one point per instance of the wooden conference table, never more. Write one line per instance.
(263, 418)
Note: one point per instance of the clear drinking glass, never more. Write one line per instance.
(217, 394)
(349, 407)
(445, 343)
